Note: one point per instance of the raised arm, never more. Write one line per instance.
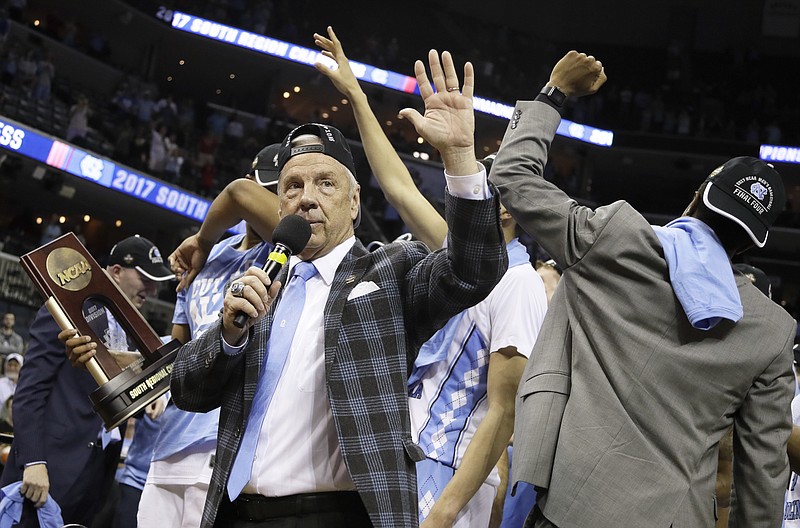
(241, 199)
(398, 187)
(565, 229)
(476, 257)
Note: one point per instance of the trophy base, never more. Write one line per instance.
(128, 393)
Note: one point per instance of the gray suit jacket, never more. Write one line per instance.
(623, 403)
(371, 342)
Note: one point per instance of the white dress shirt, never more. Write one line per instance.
(298, 449)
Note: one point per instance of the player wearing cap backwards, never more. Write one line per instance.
(314, 426)
(651, 347)
(59, 443)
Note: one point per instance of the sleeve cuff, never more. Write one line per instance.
(542, 98)
(233, 350)
(471, 187)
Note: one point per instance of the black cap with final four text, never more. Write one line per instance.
(748, 191)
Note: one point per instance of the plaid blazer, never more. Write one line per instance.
(370, 345)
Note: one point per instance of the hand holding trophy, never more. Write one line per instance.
(81, 295)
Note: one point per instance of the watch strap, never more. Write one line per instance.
(552, 95)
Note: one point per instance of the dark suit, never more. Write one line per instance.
(370, 345)
(54, 422)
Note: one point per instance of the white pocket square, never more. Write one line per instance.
(362, 288)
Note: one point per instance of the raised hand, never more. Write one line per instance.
(449, 120)
(342, 78)
(578, 74)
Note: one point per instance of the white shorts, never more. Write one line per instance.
(175, 492)
(478, 510)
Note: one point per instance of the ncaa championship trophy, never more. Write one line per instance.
(68, 276)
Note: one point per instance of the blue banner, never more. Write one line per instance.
(102, 171)
(363, 72)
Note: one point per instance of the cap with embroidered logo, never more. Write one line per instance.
(139, 253)
(265, 166)
(748, 191)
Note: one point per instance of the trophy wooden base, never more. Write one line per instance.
(130, 392)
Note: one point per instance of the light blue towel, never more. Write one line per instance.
(700, 272)
(11, 509)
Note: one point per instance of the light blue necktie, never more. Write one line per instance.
(284, 324)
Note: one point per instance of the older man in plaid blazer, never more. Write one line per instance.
(376, 309)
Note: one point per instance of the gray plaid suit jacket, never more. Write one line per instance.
(623, 403)
(370, 345)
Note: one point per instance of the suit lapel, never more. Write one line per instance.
(348, 274)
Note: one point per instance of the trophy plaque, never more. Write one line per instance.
(69, 278)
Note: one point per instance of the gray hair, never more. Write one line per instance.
(311, 139)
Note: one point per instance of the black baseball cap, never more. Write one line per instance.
(748, 191)
(139, 253)
(756, 276)
(333, 144)
(265, 166)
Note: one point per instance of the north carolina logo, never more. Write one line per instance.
(92, 167)
(758, 190)
(155, 256)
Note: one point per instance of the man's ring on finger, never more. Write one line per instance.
(453, 89)
(237, 289)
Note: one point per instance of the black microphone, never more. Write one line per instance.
(290, 236)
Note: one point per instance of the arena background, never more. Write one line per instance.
(690, 85)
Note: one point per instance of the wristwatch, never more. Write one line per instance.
(554, 95)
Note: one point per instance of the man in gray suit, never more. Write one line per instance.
(640, 368)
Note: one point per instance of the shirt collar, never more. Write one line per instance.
(328, 264)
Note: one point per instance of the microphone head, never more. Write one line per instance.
(293, 232)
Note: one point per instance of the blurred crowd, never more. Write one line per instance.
(202, 147)
(12, 351)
